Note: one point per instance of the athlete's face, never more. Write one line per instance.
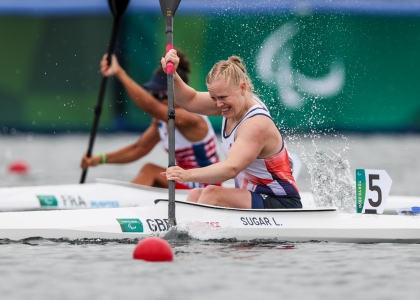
(229, 98)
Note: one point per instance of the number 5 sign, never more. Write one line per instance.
(372, 189)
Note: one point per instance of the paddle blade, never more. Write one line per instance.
(171, 234)
(117, 7)
(169, 7)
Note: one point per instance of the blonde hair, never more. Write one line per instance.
(233, 71)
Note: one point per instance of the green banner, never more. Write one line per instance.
(316, 72)
(49, 78)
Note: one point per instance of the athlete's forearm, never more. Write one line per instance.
(184, 94)
(125, 155)
(138, 94)
(215, 173)
(192, 100)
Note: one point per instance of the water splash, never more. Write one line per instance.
(205, 231)
(331, 180)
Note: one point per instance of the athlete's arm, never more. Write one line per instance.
(254, 138)
(186, 96)
(137, 150)
(140, 96)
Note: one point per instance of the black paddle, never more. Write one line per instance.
(169, 8)
(117, 8)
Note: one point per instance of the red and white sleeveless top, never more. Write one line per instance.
(271, 176)
(190, 155)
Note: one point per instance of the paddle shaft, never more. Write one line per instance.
(98, 107)
(171, 123)
(169, 8)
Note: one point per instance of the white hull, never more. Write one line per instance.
(204, 222)
(114, 194)
(101, 194)
(104, 193)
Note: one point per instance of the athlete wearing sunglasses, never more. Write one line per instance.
(195, 140)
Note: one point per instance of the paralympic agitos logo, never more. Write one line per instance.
(274, 66)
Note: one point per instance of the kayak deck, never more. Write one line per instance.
(208, 222)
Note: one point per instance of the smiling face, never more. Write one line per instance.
(229, 98)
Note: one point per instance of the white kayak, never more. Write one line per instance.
(105, 193)
(209, 223)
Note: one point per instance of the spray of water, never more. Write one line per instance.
(331, 180)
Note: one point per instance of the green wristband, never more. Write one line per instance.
(103, 156)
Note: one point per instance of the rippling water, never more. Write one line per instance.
(210, 270)
(97, 269)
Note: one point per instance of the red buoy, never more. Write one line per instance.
(19, 167)
(153, 249)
